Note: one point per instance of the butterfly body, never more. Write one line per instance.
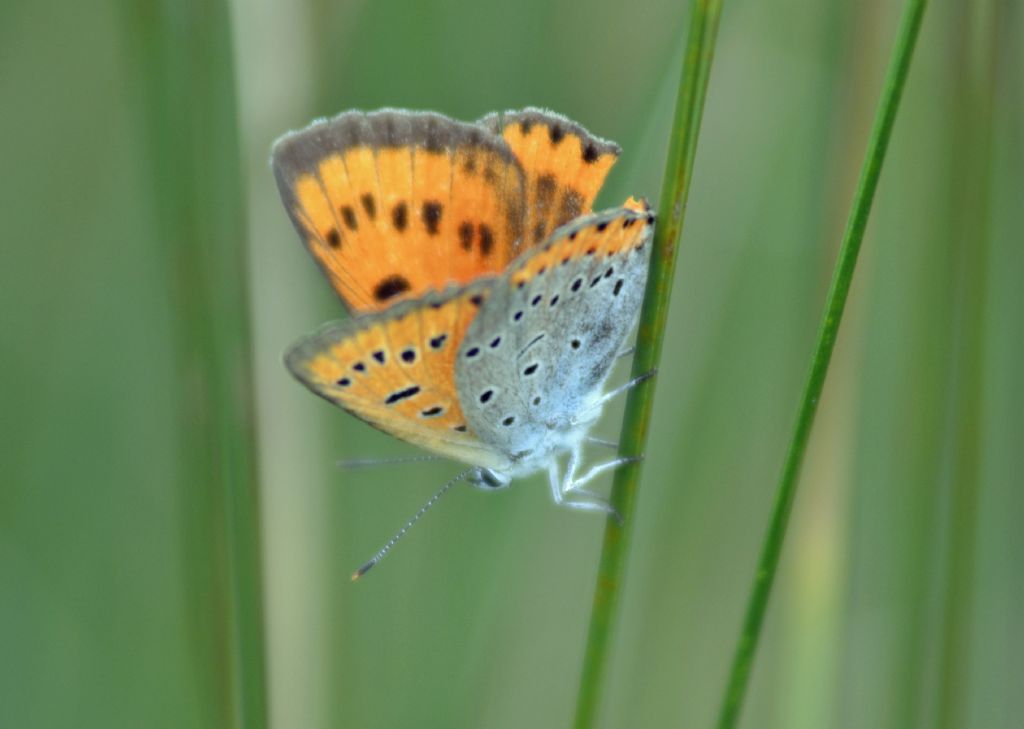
(490, 304)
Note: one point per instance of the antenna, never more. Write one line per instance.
(353, 463)
(408, 525)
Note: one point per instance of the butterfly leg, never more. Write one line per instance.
(599, 469)
(599, 402)
(560, 494)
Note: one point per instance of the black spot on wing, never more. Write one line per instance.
(486, 237)
(349, 216)
(400, 216)
(432, 216)
(466, 235)
(390, 287)
(572, 206)
(399, 395)
(369, 205)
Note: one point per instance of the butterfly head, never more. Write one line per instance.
(488, 479)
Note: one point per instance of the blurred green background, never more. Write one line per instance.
(141, 228)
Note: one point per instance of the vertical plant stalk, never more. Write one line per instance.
(636, 421)
(975, 48)
(183, 53)
(835, 302)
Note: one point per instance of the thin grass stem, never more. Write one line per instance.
(835, 302)
(696, 68)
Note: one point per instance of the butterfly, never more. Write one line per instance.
(489, 303)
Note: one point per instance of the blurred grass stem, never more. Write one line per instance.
(895, 79)
(184, 50)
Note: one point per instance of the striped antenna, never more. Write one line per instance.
(408, 525)
(353, 463)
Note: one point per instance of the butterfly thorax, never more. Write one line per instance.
(553, 440)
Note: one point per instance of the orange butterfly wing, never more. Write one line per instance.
(395, 370)
(565, 166)
(393, 204)
(604, 240)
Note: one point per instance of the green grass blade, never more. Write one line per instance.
(671, 210)
(885, 117)
(976, 48)
(191, 119)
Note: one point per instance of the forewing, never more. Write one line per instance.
(564, 164)
(393, 204)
